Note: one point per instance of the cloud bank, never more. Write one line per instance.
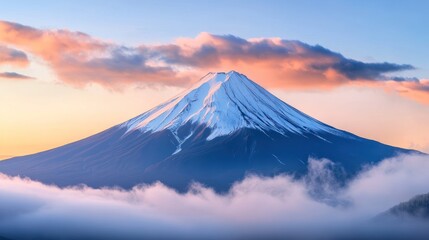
(79, 59)
(278, 61)
(254, 208)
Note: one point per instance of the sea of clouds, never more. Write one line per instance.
(316, 206)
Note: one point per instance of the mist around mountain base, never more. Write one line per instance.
(315, 206)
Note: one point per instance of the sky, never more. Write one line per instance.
(71, 69)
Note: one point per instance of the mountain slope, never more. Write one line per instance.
(417, 207)
(215, 133)
(225, 103)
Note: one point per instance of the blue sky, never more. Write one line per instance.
(394, 31)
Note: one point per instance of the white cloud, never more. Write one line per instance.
(262, 206)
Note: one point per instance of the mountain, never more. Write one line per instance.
(222, 128)
(417, 208)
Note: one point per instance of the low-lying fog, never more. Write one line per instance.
(316, 206)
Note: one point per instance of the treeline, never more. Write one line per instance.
(415, 207)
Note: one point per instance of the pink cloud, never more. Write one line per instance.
(79, 60)
(13, 57)
(416, 90)
(274, 62)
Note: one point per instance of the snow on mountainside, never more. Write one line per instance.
(226, 102)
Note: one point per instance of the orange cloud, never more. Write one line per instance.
(79, 59)
(279, 63)
(417, 90)
(51, 45)
(275, 62)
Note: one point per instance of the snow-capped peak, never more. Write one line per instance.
(225, 103)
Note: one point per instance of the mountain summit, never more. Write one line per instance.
(225, 103)
(222, 128)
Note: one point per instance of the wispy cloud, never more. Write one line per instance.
(79, 59)
(267, 207)
(417, 90)
(14, 76)
(13, 57)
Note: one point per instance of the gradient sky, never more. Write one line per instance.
(57, 105)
